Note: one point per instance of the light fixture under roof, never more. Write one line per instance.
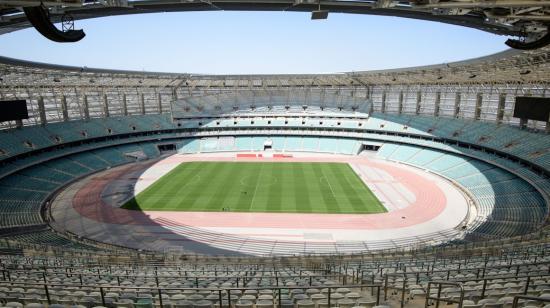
(319, 14)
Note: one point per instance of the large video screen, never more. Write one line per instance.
(13, 110)
(532, 108)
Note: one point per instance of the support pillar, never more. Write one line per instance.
(105, 106)
(159, 101)
(64, 108)
(383, 107)
(400, 108)
(458, 98)
(418, 102)
(437, 103)
(501, 107)
(124, 105)
(86, 109)
(479, 102)
(42, 111)
(142, 103)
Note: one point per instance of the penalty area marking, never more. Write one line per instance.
(329, 185)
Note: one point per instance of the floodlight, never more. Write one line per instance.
(319, 14)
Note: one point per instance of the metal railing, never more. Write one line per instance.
(240, 281)
(533, 298)
(480, 272)
(485, 280)
(403, 289)
(463, 251)
(224, 294)
(438, 298)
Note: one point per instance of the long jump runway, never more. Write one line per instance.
(423, 208)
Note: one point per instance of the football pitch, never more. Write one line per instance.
(259, 187)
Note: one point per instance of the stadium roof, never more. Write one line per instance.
(508, 67)
(526, 19)
(60, 93)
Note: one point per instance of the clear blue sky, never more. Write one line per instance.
(255, 43)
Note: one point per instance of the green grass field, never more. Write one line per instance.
(259, 187)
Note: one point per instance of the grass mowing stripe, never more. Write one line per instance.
(176, 185)
(234, 188)
(302, 199)
(355, 203)
(328, 196)
(244, 196)
(189, 194)
(259, 187)
(154, 192)
(275, 191)
(375, 204)
(150, 195)
(223, 176)
(288, 186)
(263, 197)
(213, 177)
(256, 185)
(161, 195)
(314, 190)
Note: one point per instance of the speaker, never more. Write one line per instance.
(38, 17)
(516, 44)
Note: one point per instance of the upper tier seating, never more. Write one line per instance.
(526, 145)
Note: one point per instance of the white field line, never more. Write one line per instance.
(256, 187)
(330, 186)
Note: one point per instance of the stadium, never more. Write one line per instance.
(405, 187)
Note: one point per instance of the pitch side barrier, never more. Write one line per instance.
(334, 274)
(456, 282)
(497, 247)
(240, 281)
(480, 271)
(224, 294)
(358, 268)
(336, 263)
(523, 247)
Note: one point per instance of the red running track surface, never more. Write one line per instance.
(430, 202)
